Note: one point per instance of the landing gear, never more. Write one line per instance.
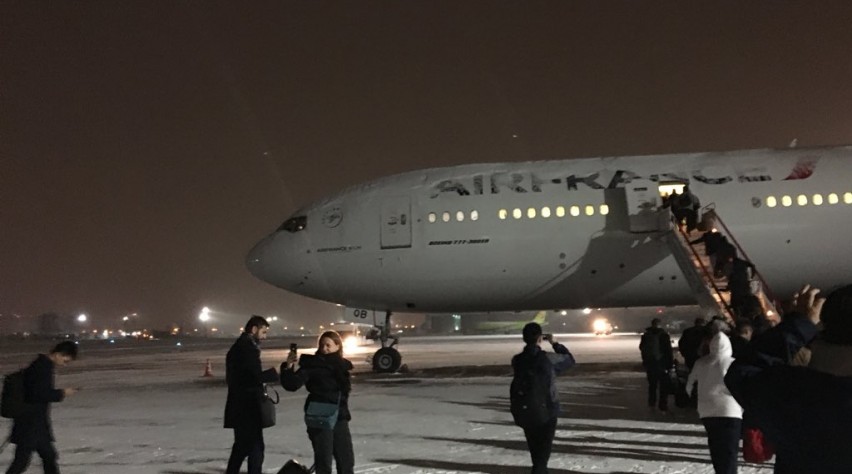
(387, 359)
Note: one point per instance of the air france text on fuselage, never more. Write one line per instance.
(525, 182)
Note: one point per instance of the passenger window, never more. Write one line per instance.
(433, 217)
(474, 215)
(503, 214)
(295, 224)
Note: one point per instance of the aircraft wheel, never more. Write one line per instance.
(386, 360)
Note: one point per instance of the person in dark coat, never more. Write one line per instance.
(33, 431)
(245, 377)
(741, 338)
(806, 412)
(657, 358)
(534, 359)
(690, 342)
(326, 377)
(712, 240)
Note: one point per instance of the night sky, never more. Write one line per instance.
(145, 146)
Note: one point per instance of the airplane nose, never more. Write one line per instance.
(258, 260)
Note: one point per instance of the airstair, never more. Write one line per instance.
(710, 290)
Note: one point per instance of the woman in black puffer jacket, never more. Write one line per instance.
(326, 377)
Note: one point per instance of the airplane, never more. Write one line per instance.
(508, 327)
(568, 233)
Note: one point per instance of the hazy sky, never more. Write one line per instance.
(146, 146)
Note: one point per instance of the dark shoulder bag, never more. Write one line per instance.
(267, 407)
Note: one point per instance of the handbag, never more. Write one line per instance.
(267, 408)
(756, 448)
(322, 415)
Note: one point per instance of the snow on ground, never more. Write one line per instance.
(144, 412)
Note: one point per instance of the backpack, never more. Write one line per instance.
(529, 398)
(12, 403)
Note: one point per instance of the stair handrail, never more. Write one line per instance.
(711, 208)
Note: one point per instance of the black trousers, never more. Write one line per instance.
(248, 442)
(723, 437)
(24, 454)
(658, 379)
(336, 444)
(540, 442)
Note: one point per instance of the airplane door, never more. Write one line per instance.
(396, 222)
(643, 206)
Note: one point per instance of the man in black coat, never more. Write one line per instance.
(33, 431)
(657, 358)
(245, 378)
(690, 342)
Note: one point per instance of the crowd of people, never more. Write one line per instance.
(791, 382)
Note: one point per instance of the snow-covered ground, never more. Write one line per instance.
(143, 412)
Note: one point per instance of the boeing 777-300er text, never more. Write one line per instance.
(559, 234)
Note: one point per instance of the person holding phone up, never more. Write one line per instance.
(326, 376)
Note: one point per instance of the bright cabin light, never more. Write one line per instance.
(517, 214)
(575, 211)
(771, 201)
(786, 201)
(459, 216)
(590, 210)
(82, 318)
(832, 198)
(604, 209)
(847, 198)
(445, 216)
(531, 213)
(817, 199)
(545, 212)
(560, 211)
(433, 218)
(587, 310)
(563, 313)
(802, 200)
(474, 215)
(502, 214)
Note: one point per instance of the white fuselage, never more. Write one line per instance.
(450, 239)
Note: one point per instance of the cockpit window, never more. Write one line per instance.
(294, 224)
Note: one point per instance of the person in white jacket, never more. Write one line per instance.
(721, 414)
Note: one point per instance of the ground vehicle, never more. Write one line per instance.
(602, 327)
